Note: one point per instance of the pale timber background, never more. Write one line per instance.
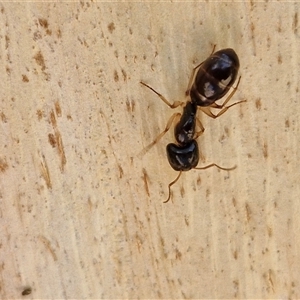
(82, 216)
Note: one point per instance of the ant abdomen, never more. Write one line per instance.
(215, 77)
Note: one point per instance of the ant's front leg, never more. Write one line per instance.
(175, 117)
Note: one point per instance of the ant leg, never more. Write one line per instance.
(208, 112)
(170, 184)
(226, 108)
(171, 120)
(198, 133)
(215, 165)
(193, 73)
(213, 50)
(214, 105)
(174, 105)
(223, 108)
(192, 78)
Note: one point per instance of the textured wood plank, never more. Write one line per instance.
(82, 216)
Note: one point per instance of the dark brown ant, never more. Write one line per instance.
(214, 78)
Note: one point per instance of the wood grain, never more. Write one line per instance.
(82, 215)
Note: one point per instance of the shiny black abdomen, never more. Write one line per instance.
(183, 158)
(215, 77)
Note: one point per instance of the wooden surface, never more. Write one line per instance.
(82, 216)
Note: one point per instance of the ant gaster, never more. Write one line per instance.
(215, 76)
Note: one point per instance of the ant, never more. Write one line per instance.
(214, 77)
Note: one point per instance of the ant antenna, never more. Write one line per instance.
(199, 168)
(170, 184)
(215, 165)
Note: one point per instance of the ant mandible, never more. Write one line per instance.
(214, 77)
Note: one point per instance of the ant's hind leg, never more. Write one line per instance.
(193, 73)
(231, 94)
(223, 108)
(198, 133)
(208, 112)
(171, 120)
(170, 184)
(214, 105)
(174, 105)
(226, 108)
